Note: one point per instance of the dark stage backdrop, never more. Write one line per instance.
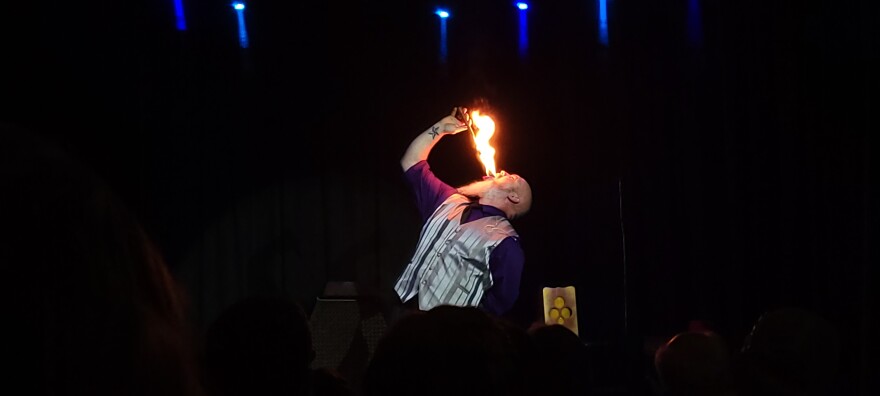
(674, 178)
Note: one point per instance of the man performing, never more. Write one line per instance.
(468, 253)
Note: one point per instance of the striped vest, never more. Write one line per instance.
(451, 262)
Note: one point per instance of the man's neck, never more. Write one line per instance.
(495, 204)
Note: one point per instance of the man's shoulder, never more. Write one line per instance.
(499, 228)
(508, 229)
(513, 240)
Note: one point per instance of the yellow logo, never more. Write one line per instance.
(560, 307)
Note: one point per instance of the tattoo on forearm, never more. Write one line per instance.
(434, 131)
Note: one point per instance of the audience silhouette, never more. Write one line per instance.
(561, 364)
(694, 363)
(88, 282)
(259, 346)
(447, 350)
(790, 351)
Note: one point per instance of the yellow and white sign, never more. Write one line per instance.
(560, 307)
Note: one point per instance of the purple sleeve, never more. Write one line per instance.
(506, 264)
(430, 191)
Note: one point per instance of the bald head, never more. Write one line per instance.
(520, 196)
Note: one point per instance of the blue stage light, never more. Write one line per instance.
(603, 22)
(242, 30)
(179, 19)
(694, 24)
(444, 50)
(523, 28)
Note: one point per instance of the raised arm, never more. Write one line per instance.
(421, 146)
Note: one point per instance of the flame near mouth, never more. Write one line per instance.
(485, 128)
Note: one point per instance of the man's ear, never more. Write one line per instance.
(513, 197)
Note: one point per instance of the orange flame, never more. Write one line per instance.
(485, 128)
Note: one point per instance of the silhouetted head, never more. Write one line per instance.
(790, 351)
(87, 280)
(561, 364)
(447, 350)
(259, 346)
(694, 363)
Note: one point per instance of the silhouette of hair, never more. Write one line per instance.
(259, 346)
(694, 363)
(447, 350)
(790, 351)
(561, 364)
(88, 280)
(329, 382)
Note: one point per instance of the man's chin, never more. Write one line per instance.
(476, 189)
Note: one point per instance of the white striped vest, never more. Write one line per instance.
(451, 262)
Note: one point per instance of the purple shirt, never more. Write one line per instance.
(506, 260)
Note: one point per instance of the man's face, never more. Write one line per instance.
(507, 181)
(501, 187)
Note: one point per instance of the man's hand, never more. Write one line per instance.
(421, 146)
(449, 125)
